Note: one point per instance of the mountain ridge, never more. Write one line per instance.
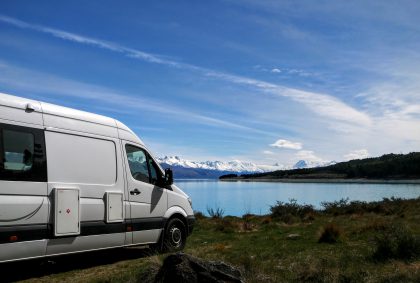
(183, 168)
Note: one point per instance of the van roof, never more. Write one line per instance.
(60, 111)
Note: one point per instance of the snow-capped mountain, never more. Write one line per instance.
(231, 166)
(213, 169)
(311, 164)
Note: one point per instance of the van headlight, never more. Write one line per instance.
(190, 201)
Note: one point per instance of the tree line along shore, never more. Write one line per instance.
(391, 168)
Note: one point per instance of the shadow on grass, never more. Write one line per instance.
(34, 268)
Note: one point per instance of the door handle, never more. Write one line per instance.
(135, 192)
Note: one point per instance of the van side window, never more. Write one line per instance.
(18, 150)
(138, 163)
(22, 156)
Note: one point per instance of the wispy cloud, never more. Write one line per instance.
(308, 155)
(41, 83)
(357, 154)
(287, 144)
(111, 46)
(322, 104)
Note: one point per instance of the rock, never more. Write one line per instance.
(181, 267)
(293, 236)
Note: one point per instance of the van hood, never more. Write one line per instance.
(179, 191)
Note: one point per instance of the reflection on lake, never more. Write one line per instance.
(238, 198)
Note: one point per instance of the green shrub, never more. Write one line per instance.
(387, 206)
(288, 212)
(397, 242)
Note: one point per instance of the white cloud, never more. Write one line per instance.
(356, 154)
(307, 155)
(275, 70)
(287, 144)
(268, 152)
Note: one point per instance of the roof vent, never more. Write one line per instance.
(29, 108)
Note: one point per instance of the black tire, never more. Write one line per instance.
(175, 236)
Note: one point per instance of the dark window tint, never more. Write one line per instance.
(22, 154)
(138, 163)
(154, 179)
(18, 150)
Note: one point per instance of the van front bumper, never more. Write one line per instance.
(190, 223)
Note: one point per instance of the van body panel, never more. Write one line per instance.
(84, 243)
(125, 133)
(71, 156)
(80, 126)
(23, 210)
(122, 126)
(155, 207)
(60, 111)
(130, 137)
(174, 210)
(177, 200)
(22, 188)
(22, 250)
(13, 109)
(92, 209)
(147, 236)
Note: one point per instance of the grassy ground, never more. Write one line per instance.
(361, 242)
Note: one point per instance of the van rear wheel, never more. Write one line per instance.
(175, 235)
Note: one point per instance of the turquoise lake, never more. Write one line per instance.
(238, 198)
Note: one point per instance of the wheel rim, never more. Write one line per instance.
(175, 235)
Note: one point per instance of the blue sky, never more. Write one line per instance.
(261, 81)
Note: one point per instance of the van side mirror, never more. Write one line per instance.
(169, 177)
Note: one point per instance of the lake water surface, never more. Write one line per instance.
(238, 198)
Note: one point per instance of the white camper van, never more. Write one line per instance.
(72, 181)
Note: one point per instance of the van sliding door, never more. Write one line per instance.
(86, 170)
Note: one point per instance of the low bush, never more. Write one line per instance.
(199, 215)
(387, 206)
(248, 222)
(266, 220)
(288, 212)
(330, 233)
(396, 242)
(225, 225)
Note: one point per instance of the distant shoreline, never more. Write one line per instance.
(343, 181)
